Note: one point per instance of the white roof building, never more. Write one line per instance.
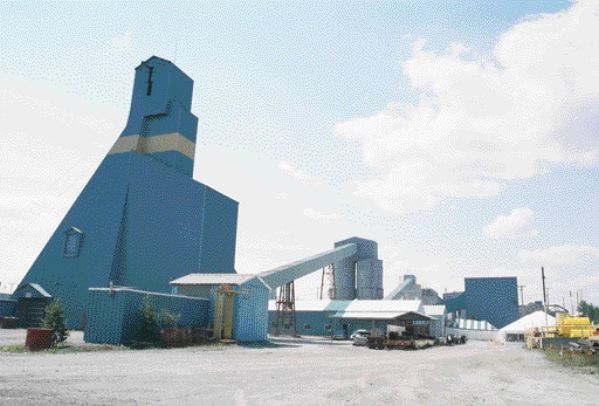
(359, 309)
(530, 321)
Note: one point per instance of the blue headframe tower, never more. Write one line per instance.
(160, 122)
(141, 220)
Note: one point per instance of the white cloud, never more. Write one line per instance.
(519, 224)
(557, 256)
(298, 174)
(282, 196)
(317, 215)
(568, 268)
(122, 42)
(481, 122)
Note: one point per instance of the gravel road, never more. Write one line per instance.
(304, 371)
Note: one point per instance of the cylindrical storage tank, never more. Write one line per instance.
(345, 279)
(370, 279)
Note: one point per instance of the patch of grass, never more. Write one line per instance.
(15, 348)
(66, 348)
(61, 349)
(573, 359)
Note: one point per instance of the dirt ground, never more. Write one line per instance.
(308, 371)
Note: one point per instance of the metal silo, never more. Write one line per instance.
(370, 279)
(345, 279)
(366, 248)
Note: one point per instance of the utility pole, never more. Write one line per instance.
(571, 304)
(521, 287)
(544, 296)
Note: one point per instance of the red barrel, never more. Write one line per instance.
(39, 338)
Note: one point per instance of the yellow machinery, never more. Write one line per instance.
(573, 326)
(566, 326)
(225, 295)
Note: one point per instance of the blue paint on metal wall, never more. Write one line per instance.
(143, 222)
(455, 303)
(250, 311)
(174, 159)
(161, 92)
(219, 233)
(113, 314)
(250, 322)
(8, 307)
(492, 299)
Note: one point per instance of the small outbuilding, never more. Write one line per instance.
(438, 315)
(250, 309)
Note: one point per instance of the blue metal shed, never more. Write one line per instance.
(250, 312)
(113, 313)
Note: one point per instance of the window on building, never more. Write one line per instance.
(307, 327)
(327, 327)
(72, 245)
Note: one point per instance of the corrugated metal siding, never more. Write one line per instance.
(251, 313)
(112, 318)
(437, 327)
(8, 307)
(492, 299)
(345, 279)
(370, 279)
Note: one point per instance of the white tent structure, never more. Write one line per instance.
(515, 331)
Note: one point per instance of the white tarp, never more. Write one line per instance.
(536, 319)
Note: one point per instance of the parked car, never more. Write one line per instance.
(360, 337)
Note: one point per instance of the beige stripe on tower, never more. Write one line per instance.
(155, 143)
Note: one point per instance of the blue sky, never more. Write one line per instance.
(330, 119)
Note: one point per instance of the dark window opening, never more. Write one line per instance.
(72, 244)
(149, 88)
(307, 327)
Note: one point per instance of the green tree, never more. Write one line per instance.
(54, 319)
(168, 319)
(587, 309)
(148, 330)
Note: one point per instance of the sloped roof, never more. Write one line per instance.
(215, 279)
(37, 288)
(536, 319)
(374, 315)
(397, 306)
(434, 310)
